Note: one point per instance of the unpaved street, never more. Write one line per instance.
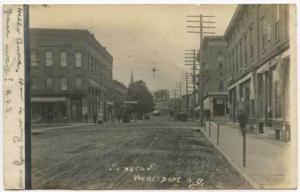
(151, 154)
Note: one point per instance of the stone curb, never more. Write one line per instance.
(254, 184)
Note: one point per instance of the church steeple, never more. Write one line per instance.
(132, 79)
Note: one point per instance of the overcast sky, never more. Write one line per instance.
(139, 37)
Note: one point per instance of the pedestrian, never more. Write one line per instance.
(86, 116)
(95, 118)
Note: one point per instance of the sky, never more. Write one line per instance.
(139, 37)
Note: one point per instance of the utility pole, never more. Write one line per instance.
(186, 93)
(190, 60)
(199, 24)
(180, 95)
(185, 78)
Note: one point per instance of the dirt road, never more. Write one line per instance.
(151, 154)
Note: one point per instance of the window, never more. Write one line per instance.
(48, 59)
(220, 61)
(221, 84)
(63, 84)
(92, 64)
(276, 24)
(232, 61)
(236, 59)
(245, 50)
(278, 95)
(78, 83)
(241, 55)
(251, 42)
(88, 61)
(34, 83)
(49, 83)
(78, 59)
(264, 41)
(63, 59)
(277, 12)
(33, 58)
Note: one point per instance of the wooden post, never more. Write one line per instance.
(209, 130)
(244, 148)
(218, 134)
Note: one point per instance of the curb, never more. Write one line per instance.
(254, 184)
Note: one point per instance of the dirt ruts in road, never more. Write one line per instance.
(82, 158)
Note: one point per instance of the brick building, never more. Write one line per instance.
(258, 53)
(71, 76)
(119, 98)
(215, 74)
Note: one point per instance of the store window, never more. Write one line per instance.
(277, 94)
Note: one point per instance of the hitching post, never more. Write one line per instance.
(243, 122)
(209, 131)
(218, 134)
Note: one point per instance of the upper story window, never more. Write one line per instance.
(49, 83)
(264, 33)
(276, 24)
(63, 59)
(64, 84)
(251, 42)
(78, 82)
(34, 83)
(78, 59)
(221, 85)
(49, 59)
(245, 49)
(33, 59)
(240, 53)
(277, 12)
(220, 61)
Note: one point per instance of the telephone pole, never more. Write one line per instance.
(187, 86)
(190, 60)
(198, 22)
(180, 95)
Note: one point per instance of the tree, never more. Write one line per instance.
(138, 91)
(161, 94)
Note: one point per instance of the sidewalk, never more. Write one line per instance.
(267, 160)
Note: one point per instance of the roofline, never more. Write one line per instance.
(237, 10)
(90, 36)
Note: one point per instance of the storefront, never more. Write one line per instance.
(49, 109)
(216, 105)
(273, 93)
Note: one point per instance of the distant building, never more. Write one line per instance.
(119, 98)
(162, 105)
(259, 57)
(215, 75)
(71, 76)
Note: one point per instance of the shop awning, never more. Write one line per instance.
(48, 99)
(197, 108)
